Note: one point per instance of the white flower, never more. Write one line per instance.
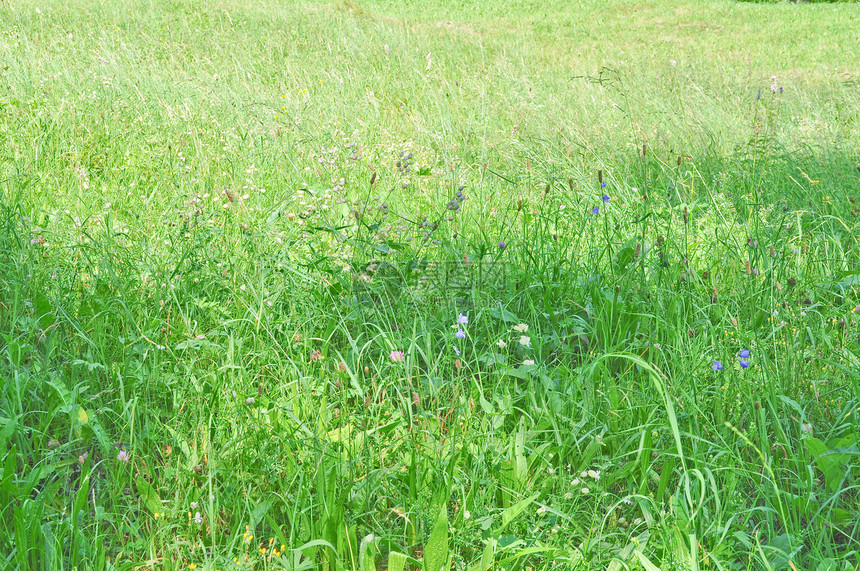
(583, 474)
(194, 505)
(525, 341)
(521, 328)
(541, 510)
(594, 474)
(574, 482)
(198, 519)
(568, 496)
(467, 514)
(501, 343)
(585, 491)
(550, 470)
(528, 362)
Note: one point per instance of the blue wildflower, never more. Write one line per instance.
(744, 354)
(605, 198)
(502, 245)
(717, 366)
(744, 363)
(595, 210)
(462, 319)
(457, 351)
(460, 334)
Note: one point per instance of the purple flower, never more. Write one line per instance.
(595, 210)
(502, 245)
(605, 198)
(602, 185)
(717, 366)
(397, 356)
(744, 363)
(123, 456)
(462, 319)
(744, 354)
(460, 334)
(456, 351)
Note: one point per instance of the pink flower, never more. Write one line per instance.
(123, 456)
(397, 356)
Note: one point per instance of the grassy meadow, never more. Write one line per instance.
(429, 285)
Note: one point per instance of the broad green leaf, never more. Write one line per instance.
(366, 559)
(397, 561)
(504, 315)
(515, 510)
(646, 563)
(148, 496)
(436, 553)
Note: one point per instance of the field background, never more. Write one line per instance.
(429, 284)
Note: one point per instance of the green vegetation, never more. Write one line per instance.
(429, 285)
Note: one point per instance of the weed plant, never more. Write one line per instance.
(366, 286)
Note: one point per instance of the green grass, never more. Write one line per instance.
(236, 237)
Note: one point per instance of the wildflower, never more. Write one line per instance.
(467, 514)
(541, 510)
(198, 518)
(744, 354)
(194, 505)
(528, 362)
(744, 363)
(123, 456)
(605, 198)
(501, 245)
(397, 356)
(250, 401)
(574, 482)
(501, 343)
(594, 474)
(717, 366)
(460, 334)
(456, 351)
(462, 319)
(585, 491)
(316, 355)
(595, 210)
(568, 496)
(525, 341)
(521, 328)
